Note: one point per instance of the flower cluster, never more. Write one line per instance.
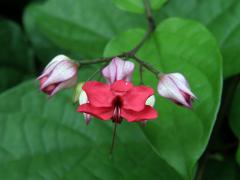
(118, 98)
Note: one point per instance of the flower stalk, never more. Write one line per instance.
(147, 66)
(113, 137)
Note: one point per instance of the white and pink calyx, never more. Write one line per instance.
(59, 74)
(175, 87)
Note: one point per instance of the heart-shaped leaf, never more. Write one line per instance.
(179, 135)
(222, 18)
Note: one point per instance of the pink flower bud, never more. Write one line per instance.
(59, 74)
(175, 87)
(118, 69)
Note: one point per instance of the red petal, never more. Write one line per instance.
(99, 94)
(121, 87)
(146, 114)
(99, 112)
(48, 89)
(136, 98)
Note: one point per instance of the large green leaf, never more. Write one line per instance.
(222, 18)
(79, 27)
(15, 55)
(45, 138)
(179, 135)
(137, 6)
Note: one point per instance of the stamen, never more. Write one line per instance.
(117, 115)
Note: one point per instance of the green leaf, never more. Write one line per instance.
(179, 135)
(15, 55)
(10, 78)
(45, 138)
(15, 51)
(78, 27)
(222, 18)
(43, 48)
(235, 113)
(137, 6)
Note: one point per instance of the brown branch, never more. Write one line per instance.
(100, 60)
(134, 50)
(140, 44)
(148, 66)
(149, 15)
(151, 27)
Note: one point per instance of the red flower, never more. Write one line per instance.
(118, 100)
